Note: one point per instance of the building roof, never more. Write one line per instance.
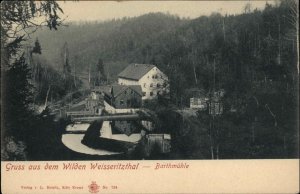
(105, 89)
(98, 101)
(196, 92)
(80, 107)
(135, 71)
(118, 89)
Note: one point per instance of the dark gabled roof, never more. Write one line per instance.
(118, 89)
(137, 89)
(135, 71)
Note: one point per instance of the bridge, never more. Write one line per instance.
(89, 119)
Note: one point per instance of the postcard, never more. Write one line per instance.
(149, 97)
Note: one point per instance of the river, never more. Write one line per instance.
(73, 141)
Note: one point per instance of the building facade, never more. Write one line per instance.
(126, 127)
(215, 104)
(94, 103)
(198, 103)
(162, 142)
(152, 81)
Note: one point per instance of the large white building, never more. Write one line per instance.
(153, 81)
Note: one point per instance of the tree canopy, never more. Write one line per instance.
(21, 126)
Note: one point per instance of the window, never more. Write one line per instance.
(151, 85)
(125, 92)
(157, 92)
(131, 92)
(144, 85)
(158, 85)
(165, 84)
(151, 93)
(121, 102)
(152, 76)
(144, 93)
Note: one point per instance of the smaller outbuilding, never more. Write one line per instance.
(122, 96)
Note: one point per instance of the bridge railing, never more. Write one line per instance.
(73, 114)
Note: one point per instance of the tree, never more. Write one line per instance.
(17, 97)
(66, 65)
(17, 23)
(37, 47)
(100, 73)
(34, 67)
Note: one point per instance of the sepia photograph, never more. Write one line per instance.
(149, 80)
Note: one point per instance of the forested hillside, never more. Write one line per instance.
(258, 43)
(116, 42)
(251, 47)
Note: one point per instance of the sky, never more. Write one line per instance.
(107, 10)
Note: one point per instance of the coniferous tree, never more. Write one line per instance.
(37, 47)
(100, 76)
(18, 98)
(66, 62)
